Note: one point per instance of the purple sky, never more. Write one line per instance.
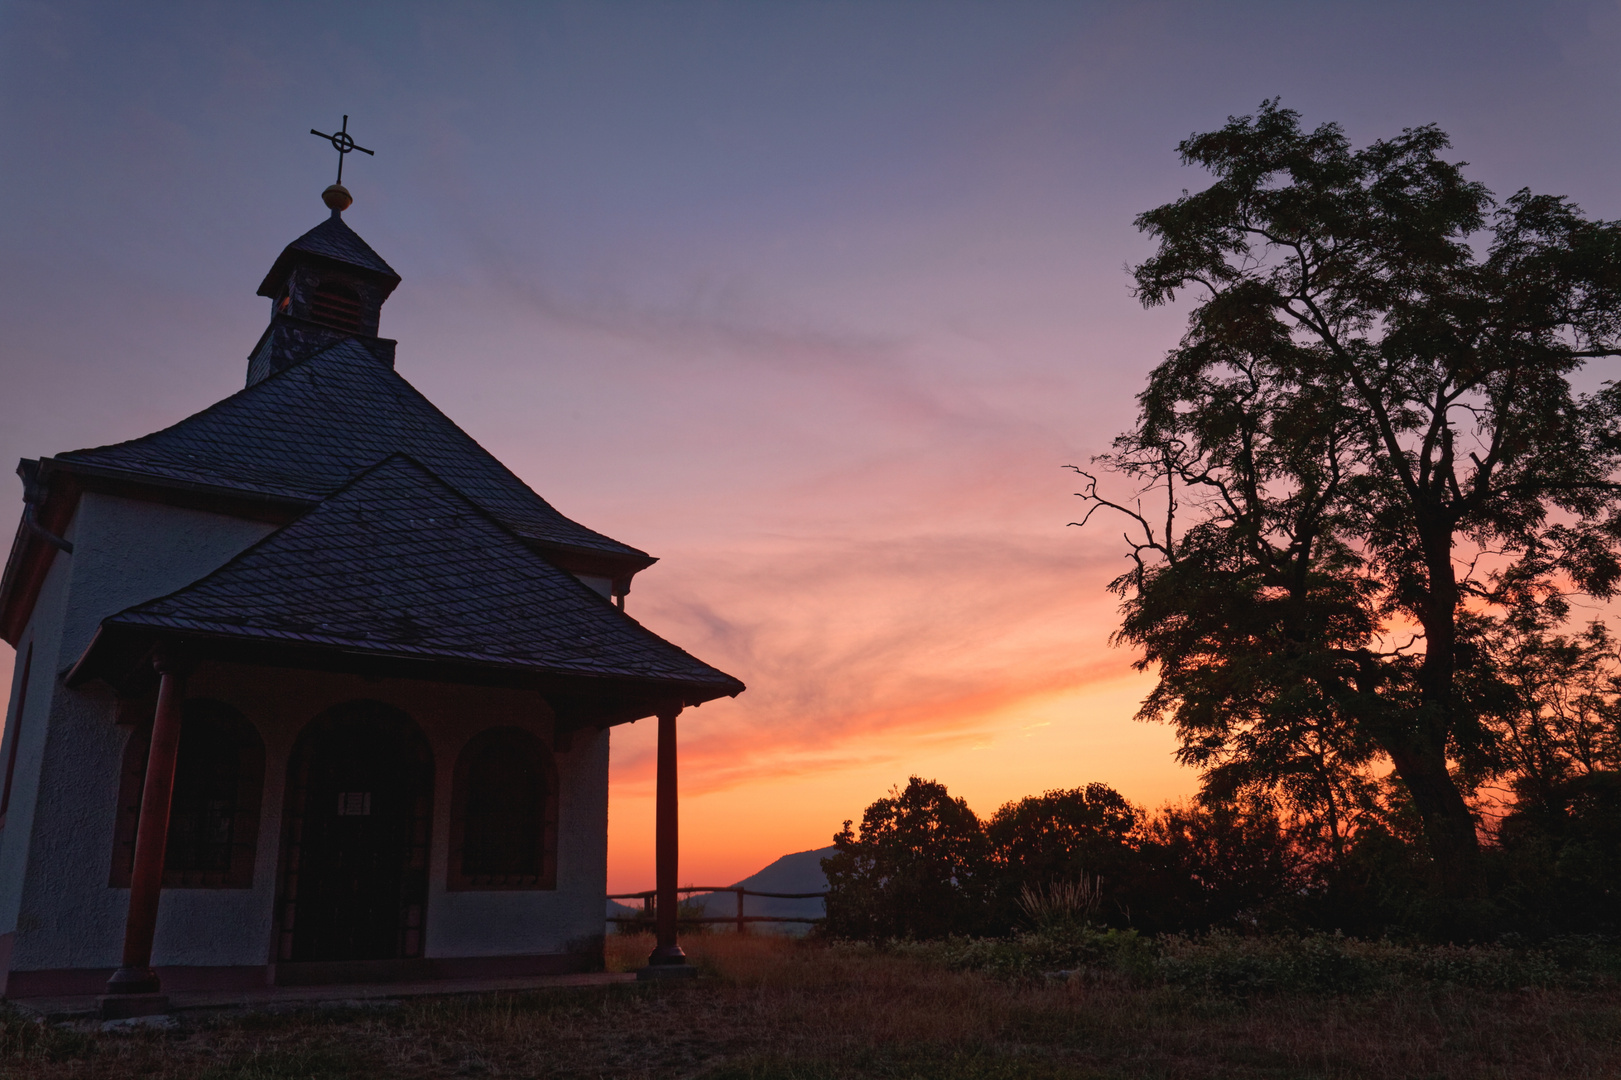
(811, 300)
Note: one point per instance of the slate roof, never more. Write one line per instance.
(399, 564)
(331, 239)
(307, 431)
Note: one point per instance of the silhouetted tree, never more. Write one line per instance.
(1366, 446)
(1562, 721)
(1228, 864)
(917, 869)
(1059, 836)
(1559, 749)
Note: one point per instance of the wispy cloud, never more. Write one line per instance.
(850, 646)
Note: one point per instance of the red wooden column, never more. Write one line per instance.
(151, 837)
(667, 839)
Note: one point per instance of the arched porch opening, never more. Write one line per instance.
(354, 860)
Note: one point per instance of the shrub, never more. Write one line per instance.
(917, 869)
(1202, 867)
(1558, 858)
(924, 866)
(1225, 965)
(1059, 836)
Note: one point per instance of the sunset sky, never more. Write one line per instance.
(813, 301)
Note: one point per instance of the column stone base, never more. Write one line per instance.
(666, 971)
(134, 980)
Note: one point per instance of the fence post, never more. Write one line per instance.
(741, 926)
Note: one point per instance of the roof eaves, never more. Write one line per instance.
(32, 554)
(274, 505)
(723, 686)
(114, 648)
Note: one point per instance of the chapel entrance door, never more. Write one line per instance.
(355, 864)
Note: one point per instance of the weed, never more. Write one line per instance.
(327, 1063)
(1062, 903)
(25, 1038)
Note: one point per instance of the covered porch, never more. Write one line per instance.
(367, 698)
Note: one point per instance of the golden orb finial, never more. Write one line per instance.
(337, 197)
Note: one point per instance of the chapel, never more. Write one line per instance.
(310, 688)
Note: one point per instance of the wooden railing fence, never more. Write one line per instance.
(650, 897)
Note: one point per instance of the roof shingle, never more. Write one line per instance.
(306, 431)
(399, 564)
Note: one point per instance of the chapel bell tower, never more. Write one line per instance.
(325, 286)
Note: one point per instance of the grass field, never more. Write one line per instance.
(773, 1008)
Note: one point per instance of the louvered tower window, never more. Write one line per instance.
(336, 305)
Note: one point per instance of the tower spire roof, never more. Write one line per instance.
(333, 240)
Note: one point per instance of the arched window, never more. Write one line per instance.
(214, 815)
(336, 305)
(504, 814)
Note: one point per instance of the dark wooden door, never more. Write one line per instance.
(360, 848)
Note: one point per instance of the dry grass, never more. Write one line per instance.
(1062, 901)
(774, 1008)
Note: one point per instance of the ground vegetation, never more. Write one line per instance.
(771, 1008)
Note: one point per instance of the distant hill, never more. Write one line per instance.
(621, 909)
(799, 872)
(796, 873)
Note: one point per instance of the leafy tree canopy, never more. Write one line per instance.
(1366, 457)
(916, 869)
(1060, 835)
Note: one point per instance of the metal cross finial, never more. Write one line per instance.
(342, 142)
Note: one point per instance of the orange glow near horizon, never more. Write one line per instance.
(1030, 744)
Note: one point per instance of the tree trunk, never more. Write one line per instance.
(1420, 755)
(1449, 827)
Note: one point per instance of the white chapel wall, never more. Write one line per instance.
(43, 635)
(130, 551)
(124, 552)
